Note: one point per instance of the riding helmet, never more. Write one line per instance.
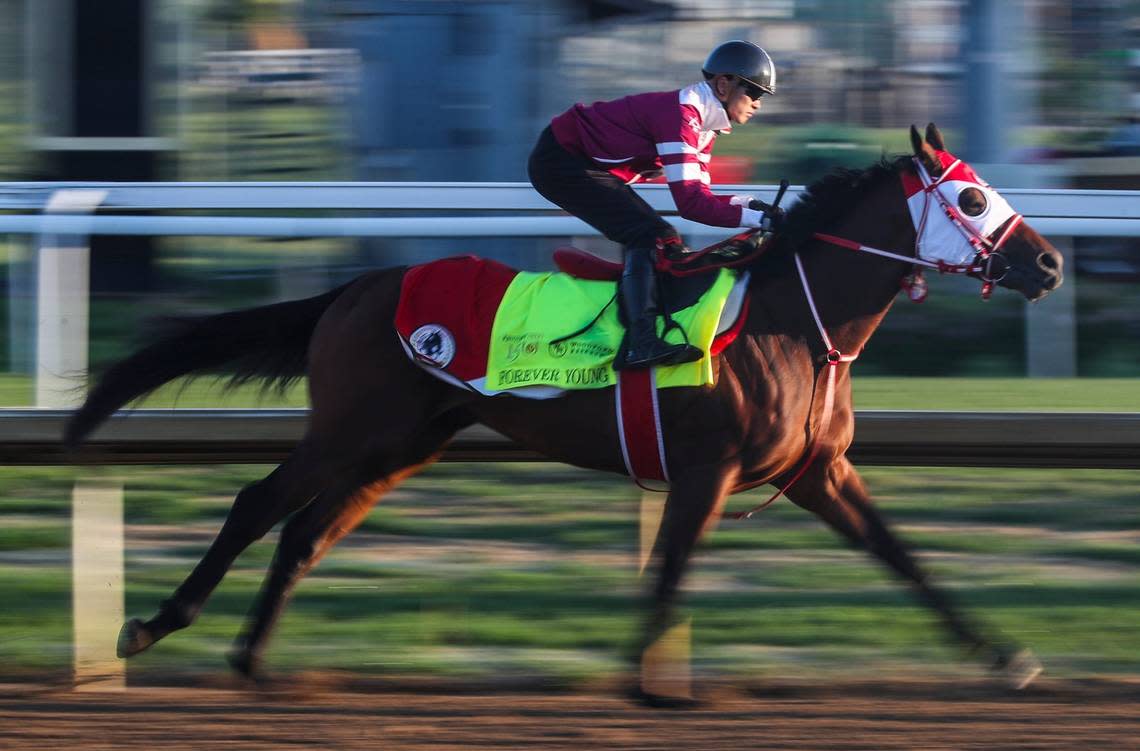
(745, 60)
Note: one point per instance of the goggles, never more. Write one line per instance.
(751, 90)
(956, 215)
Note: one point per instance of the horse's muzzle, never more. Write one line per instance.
(1050, 266)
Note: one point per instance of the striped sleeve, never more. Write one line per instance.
(685, 151)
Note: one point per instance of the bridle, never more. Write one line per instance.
(989, 263)
(988, 250)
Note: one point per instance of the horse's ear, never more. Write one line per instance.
(934, 137)
(925, 153)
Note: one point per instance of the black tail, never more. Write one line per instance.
(270, 342)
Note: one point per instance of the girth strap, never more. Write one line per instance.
(639, 427)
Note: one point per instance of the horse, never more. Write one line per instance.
(377, 418)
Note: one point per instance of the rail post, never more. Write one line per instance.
(62, 314)
(1051, 329)
(97, 585)
(62, 304)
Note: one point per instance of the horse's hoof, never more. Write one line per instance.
(244, 663)
(660, 701)
(1021, 669)
(133, 638)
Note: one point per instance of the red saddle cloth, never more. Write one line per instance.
(446, 311)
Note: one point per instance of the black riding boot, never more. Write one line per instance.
(639, 306)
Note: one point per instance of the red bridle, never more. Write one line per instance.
(988, 249)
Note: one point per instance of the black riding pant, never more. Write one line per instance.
(593, 195)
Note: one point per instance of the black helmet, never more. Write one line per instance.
(745, 60)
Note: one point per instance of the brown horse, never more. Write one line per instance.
(377, 418)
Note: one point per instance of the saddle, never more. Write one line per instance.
(686, 276)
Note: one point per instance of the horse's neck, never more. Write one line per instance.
(852, 291)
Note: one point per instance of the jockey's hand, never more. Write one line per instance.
(773, 215)
(773, 220)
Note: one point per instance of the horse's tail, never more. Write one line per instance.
(270, 342)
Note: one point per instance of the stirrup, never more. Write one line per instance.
(672, 354)
(673, 248)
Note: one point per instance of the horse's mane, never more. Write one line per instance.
(828, 199)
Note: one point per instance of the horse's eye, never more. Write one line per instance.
(972, 201)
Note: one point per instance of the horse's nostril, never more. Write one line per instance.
(1047, 261)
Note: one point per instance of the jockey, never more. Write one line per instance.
(588, 156)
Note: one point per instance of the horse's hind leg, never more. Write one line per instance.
(317, 528)
(256, 509)
(837, 495)
(305, 538)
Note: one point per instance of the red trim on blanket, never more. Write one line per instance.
(725, 338)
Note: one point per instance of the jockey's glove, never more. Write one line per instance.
(773, 215)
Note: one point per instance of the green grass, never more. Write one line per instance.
(998, 394)
(18, 391)
(871, 392)
(34, 537)
(478, 570)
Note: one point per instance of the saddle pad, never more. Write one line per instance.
(479, 324)
(538, 310)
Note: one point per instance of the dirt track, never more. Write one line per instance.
(1080, 716)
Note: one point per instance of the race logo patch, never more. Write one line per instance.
(433, 343)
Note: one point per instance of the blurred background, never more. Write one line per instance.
(491, 570)
(1035, 93)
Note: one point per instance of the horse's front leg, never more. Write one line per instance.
(695, 498)
(836, 494)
